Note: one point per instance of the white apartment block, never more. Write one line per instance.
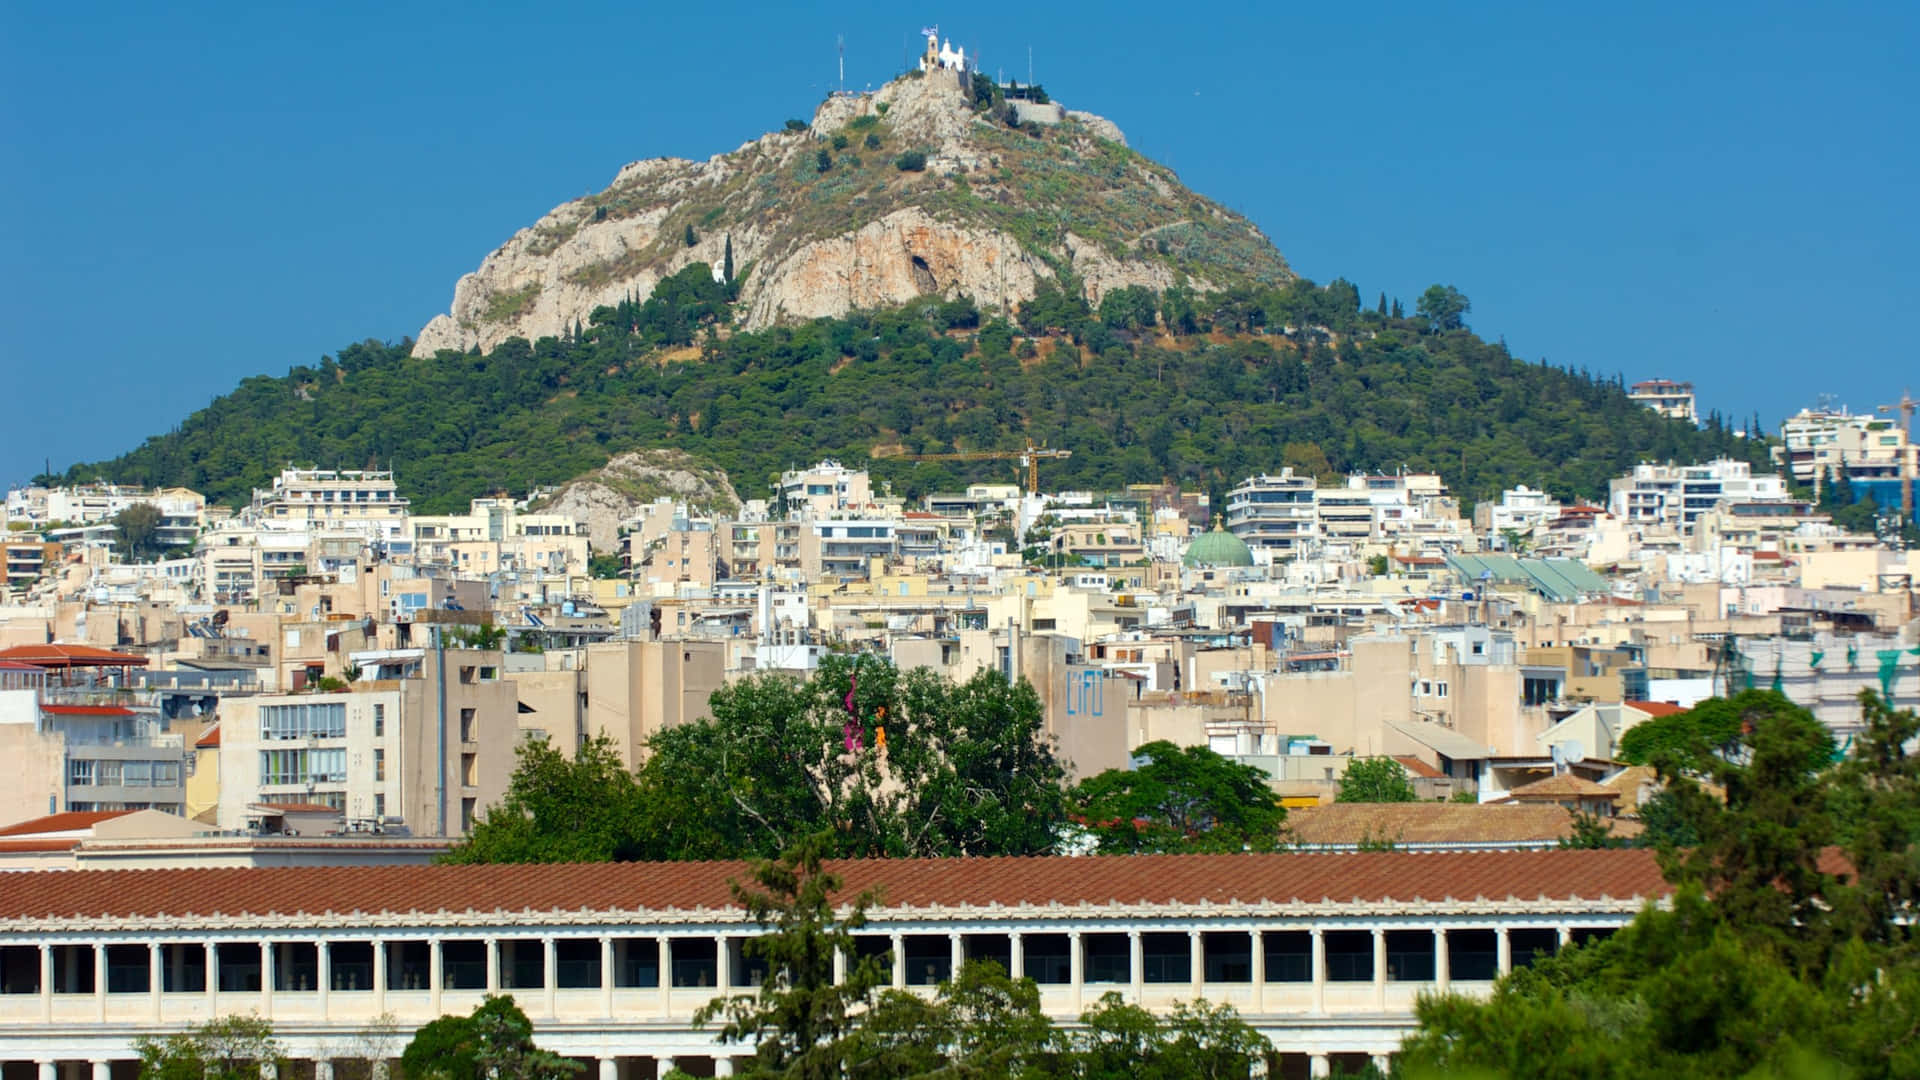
(1276, 516)
(359, 500)
(1676, 495)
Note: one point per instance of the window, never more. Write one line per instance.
(466, 725)
(80, 773)
(379, 721)
(379, 764)
(380, 804)
(110, 774)
(1439, 689)
(293, 767)
(470, 770)
(282, 722)
(466, 814)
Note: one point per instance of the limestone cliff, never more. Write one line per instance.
(824, 220)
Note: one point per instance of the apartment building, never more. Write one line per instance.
(1666, 397)
(386, 750)
(1276, 516)
(358, 500)
(495, 535)
(76, 740)
(825, 488)
(1676, 495)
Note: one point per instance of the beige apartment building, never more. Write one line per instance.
(496, 535)
(384, 751)
(628, 690)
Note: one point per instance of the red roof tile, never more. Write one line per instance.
(209, 740)
(1655, 708)
(906, 883)
(66, 656)
(1416, 767)
(86, 710)
(64, 822)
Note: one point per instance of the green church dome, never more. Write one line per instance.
(1218, 548)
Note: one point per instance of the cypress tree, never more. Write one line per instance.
(1383, 303)
(691, 239)
(726, 265)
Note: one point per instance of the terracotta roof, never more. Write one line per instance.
(58, 843)
(86, 710)
(1654, 708)
(66, 822)
(1429, 823)
(1416, 767)
(908, 883)
(69, 656)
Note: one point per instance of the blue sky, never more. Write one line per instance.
(201, 192)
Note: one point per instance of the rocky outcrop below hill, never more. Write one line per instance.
(834, 217)
(615, 492)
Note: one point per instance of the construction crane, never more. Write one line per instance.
(1028, 458)
(1910, 458)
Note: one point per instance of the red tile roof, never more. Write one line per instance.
(907, 883)
(69, 656)
(1416, 767)
(86, 710)
(209, 740)
(64, 822)
(1655, 708)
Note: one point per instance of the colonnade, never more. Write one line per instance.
(1316, 987)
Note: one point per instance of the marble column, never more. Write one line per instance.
(1379, 968)
(1319, 962)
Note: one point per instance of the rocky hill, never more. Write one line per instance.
(835, 216)
(610, 495)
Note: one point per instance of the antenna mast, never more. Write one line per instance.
(841, 41)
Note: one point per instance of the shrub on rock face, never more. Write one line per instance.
(911, 161)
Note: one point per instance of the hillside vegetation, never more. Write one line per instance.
(1203, 390)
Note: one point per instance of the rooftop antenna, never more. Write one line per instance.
(1029, 65)
(841, 41)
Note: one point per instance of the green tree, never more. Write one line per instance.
(229, 1048)
(1760, 965)
(1179, 799)
(921, 766)
(605, 567)
(1130, 307)
(911, 161)
(585, 809)
(1374, 780)
(136, 531)
(726, 262)
(1120, 1040)
(822, 161)
(690, 238)
(494, 1042)
(1444, 307)
(801, 1018)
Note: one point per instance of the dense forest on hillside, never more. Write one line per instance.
(1200, 389)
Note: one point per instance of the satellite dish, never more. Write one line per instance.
(1571, 751)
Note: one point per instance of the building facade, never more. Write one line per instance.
(1324, 954)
